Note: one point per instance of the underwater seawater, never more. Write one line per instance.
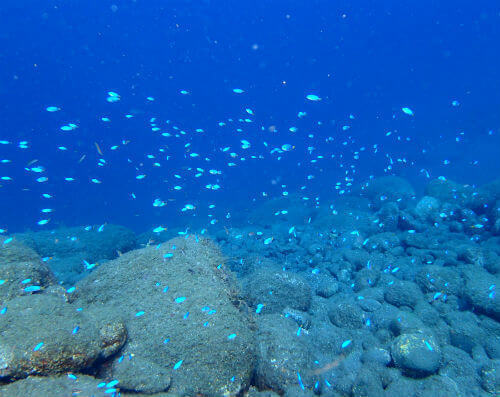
(267, 198)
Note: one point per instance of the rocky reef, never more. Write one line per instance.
(380, 293)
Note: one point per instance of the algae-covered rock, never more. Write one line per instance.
(347, 314)
(277, 289)
(135, 374)
(490, 377)
(61, 386)
(182, 315)
(427, 209)
(13, 250)
(21, 269)
(41, 334)
(403, 293)
(416, 354)
(480, 291)
(282, 354)
(446, 190)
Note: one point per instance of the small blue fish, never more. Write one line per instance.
(407, 111)
(313, 97)
(113, 383)
(38, 347)
(177, 364)
(33, 288)
(300, 381)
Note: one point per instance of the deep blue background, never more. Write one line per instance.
(362, 58)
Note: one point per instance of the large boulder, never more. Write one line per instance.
(427, 209)
(387, 189)
(282, 354)
(21, 270)
(480, 291)
(66, 385)
(41, 334)
(446, 190)
(276, 290)
(416, 354)
(403, 293)
(185, 322)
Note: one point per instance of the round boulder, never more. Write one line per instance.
(417, 355)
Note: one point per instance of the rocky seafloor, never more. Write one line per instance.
(382, 293)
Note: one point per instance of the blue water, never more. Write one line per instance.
(364, 59)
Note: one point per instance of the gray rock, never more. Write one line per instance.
(367, 383)
(133, 373)
(253, 392)
(427, 209)
(403, 293)
(281, 355)
(327, 288)
(417, 354)
(376, 355)
(83, 386)
(39, 337)
(459, 366)
(406, 323)
(13, 250)
(297, 391)
(492, 347)
(302, 319)
(432, 278)
(178, 302)
(369, 305)
(21, 268)
(277, 289)
(480, 291)
(387, 189)
(382, 242)
(465, 331)
(15, 275)
(347, 315)
(490, 377)
(446, 190)
(388, 217)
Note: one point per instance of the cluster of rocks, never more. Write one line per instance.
(157, 319)
(379, 293)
